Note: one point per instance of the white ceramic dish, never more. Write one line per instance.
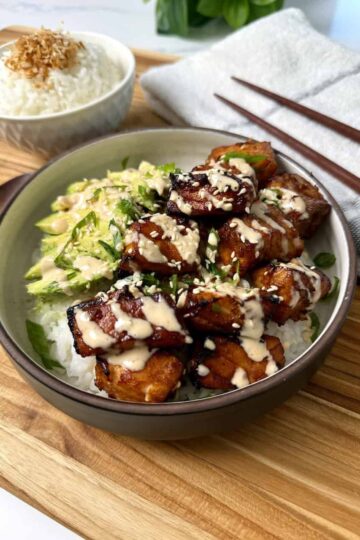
(53, 133)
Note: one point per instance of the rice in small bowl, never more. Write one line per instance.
(60, 89)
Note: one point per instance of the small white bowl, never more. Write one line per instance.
(52, 133)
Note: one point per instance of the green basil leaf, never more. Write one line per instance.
(172, 17)
(41, 345)
(334, 290)
(149, 280)
(261, 8)
(315, 326)
(236, 12)
(211, 8)
(195, 18)
(243, 155)
(324, 260)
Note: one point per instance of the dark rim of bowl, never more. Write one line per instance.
(324, 342)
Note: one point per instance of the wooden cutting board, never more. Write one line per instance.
(295, 473)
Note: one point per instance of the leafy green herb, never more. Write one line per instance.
(315, 326)
(324, 260)
(128, 209)
(210, 8)
(168, 168)
(216, 270)
(174, 283)
(147, 197)
(109, 249)
(124, 162)
(215, 308)
(247, 157)
(177, 16)
(334, 290)
(236, 12)
(149, 280)
(116, 234)
(186, 280)
(172, 17)
(41, 345)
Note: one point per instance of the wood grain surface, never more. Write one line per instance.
(293, 474)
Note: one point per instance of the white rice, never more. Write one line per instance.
(93, 75)
(294, 336)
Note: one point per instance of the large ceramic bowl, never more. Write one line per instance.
(19, 239)
(53, 133)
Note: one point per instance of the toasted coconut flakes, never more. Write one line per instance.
(36, 54)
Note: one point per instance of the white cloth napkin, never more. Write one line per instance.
(284, 53)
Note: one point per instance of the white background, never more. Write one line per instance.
(132, 22)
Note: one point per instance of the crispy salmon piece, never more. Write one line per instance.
(163, 244)
(299, 200)
(226, 310)
(290, 291)
(229, 366)
(110, 329)
(264, 168)
(246, 242)
(153, 384)
(209, 191)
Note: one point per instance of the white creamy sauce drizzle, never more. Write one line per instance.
(241, 165)
(224, 204)
(150, 250)
(133, 360)
(240, 378)
(315, 279)
(203, 370)
(247, 234)
(251, 307)
(91, 267)
(183, 206)
(91, 332)
(187, 244)
(50, 272)
(271, 367)
(259, 209)
(289, 200)
(160, 314)
(135, 327)
(256, 350)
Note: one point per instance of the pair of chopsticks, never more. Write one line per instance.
(333, 168)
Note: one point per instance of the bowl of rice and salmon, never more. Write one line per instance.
(172, 282)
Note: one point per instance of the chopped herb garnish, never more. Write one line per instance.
(147, 197)
(315, 326)
(109, 249)
(334, 290)
(243, 155)
(216, 270)
(128, 209)
(168, 168)
(124, 162)
(149, 280)
(41, 344)
(174, 283)
(324, 260)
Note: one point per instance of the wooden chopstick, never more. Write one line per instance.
(346, 177)
(340, 127)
